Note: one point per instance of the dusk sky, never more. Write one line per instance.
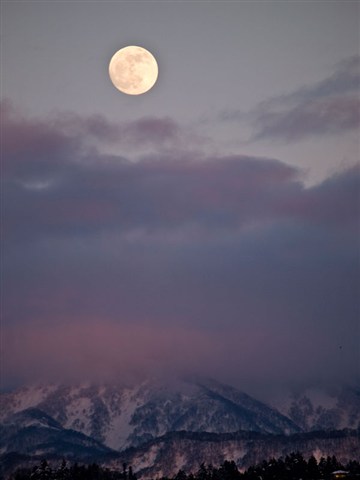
(208, 226)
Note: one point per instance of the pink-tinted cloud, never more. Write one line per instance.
(221, 264)
(101, 351)
(55, 185)
(147, 131)
(68, 136)
(33, 148)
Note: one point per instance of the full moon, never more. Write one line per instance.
(133, 70)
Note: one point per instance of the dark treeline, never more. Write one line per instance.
(45, 471)
(292, 467)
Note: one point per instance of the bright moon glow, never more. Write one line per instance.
(133, 70)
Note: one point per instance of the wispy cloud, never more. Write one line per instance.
(322, 116)
(328, 107)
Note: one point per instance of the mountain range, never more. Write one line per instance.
(160, 427)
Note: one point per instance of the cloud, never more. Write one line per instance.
(328, 107)
(105, 351)
(321, 116)
(146, 130)
(56, 185)
(58, 140)
(225, 265)
(113, 351)
(344, 79)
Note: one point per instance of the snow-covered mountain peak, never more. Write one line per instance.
(129, 415)
(171, 424)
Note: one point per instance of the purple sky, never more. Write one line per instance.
(210, 226)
